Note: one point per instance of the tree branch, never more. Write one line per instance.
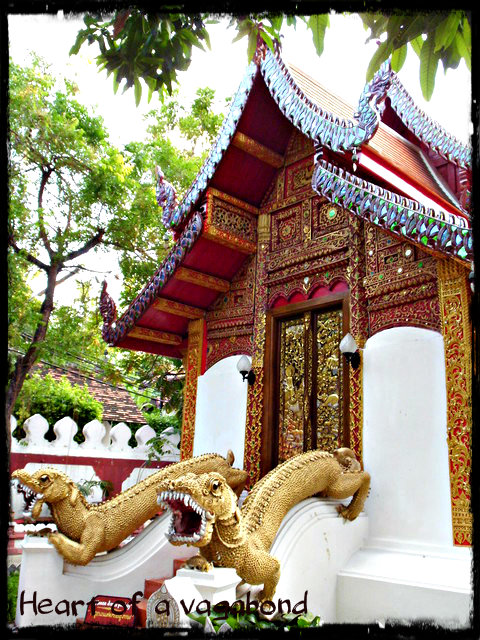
(86, 247)
(28, 256)
(43, 234)
(69, 275)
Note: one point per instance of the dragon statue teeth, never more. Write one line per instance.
(85, 529)
(205, 514)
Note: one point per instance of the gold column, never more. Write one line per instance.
(456, 329)
(193, 368)
(255, 405)
(358, 328)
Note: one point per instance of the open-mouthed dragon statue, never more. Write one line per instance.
(85, 529)
(205, 512)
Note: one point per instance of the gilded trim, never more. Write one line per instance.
(202, 279)
(151, 335)
(456, 329)
(257, 150)
(178, 309)
(193, 368)
(241, 204)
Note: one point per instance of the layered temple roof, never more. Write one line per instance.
(386, 162)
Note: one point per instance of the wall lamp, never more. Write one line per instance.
(244, 365)
(349, 348)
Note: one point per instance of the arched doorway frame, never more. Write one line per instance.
(269, 438)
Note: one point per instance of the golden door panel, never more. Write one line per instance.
(309, 385)
(329, 387)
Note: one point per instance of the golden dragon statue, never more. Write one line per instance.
(205, 513)
(85, 529)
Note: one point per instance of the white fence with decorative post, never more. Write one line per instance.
(119, 462)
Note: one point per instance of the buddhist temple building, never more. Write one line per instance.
(310, 220)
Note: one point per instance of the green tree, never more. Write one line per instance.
(140, 45)
(72, 192)
(69, 193)
(194, 127)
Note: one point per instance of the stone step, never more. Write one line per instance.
(178, 564)
(141, 620)
(151, 585)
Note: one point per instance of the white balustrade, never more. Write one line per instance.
(65, 429)
(96, 438)
(143, 435)
(120, 435)
(35, 428)
(94, 432)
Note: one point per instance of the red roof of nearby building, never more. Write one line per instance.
(118, 404)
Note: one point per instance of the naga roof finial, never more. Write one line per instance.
(166, 197)
(108, 309)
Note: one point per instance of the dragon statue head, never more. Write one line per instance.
(196, 503)
(46, 485)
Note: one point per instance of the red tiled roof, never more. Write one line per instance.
(118, 405)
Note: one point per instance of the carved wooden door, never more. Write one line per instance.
(309, 382)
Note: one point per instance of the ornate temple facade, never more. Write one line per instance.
(307, 221)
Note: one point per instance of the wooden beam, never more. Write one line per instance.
(241, 204)
(202, 279)
(260, 151)
(152, 335)
(178, 309)
(229, 240)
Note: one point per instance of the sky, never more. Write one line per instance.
(341, 69)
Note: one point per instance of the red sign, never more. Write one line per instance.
(110, 610)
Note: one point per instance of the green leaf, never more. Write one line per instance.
(81, 37)
(276, 22)
(467, 32)
(138, 92)
(380, 55)
(446, 30)
(266, 38)
(318, 24)
(428, 67)
(252, 45)
(463, 49)
(207, 38)
(417, 44)
(398, 58)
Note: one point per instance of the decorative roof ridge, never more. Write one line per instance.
(425, 128)
(437, 230)
(174, 215)
(114, 330)
(442, 184)
(336, 133)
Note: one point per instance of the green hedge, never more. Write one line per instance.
(55, 399)
(12, 590)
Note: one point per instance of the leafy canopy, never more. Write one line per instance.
(138, 45)
(71, 192)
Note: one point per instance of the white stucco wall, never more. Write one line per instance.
(405, 437)
(221, 411)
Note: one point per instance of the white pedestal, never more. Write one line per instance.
(406, 585)
(216, 585)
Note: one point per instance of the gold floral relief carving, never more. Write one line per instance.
(193, 368)
(456, 329)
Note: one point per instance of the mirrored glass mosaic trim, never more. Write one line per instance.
(426, 129)
(113, 331)
(332, 131)
(407, 218)
(229, 126)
